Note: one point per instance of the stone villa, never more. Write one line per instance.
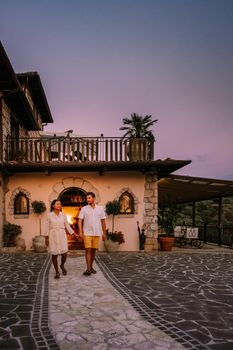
(35, 165)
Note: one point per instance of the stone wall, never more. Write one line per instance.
(150, 212)
(6, 120)
(34, 108)
(2, 207)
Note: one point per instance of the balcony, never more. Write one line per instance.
(68, 150)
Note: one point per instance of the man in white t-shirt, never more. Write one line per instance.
(92, 225)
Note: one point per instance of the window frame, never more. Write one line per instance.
(131, 201)
(17, 197)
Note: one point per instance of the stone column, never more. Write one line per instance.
(150, 213)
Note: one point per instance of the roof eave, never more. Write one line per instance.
(13, 93)
(158, 167)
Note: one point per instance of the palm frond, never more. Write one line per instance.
(138, 126)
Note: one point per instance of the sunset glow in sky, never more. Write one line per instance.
(101, 60)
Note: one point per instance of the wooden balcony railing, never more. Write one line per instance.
(60, 149)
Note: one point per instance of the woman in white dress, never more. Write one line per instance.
(56, 227)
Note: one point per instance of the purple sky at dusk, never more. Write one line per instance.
(102, 60)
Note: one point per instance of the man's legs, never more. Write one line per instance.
(88, 260)
(91, 244)
(93, 250)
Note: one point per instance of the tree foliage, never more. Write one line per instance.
(38, 207)
(112, 208)
(207, 212)
(167, 217)
(138, 126)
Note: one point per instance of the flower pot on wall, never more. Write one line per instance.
(166, 243)
(111, 246)
(39, 244)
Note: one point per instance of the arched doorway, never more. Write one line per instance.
(72, 200)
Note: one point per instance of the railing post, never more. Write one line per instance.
(106, 150)
(205, 233)
(96, 145)
(220, 234)
(151, 150)
(120, 149)
(126, 149)
(194, 214)
(116, 150)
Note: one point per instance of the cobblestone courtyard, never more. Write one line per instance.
(161, 301)
(189, 296)
(24, 302)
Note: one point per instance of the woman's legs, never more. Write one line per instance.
(55, 264)
(63, 260)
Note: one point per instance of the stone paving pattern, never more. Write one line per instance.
(189, 296)
(24, 302)
(86, 313)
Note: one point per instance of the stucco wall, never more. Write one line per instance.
(107, 187)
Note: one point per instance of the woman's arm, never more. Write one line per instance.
(67, 225)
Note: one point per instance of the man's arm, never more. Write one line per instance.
(103, 223)
(80, 227)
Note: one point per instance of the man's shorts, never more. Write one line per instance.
(91, 242)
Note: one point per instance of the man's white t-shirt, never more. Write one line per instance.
(92, 220)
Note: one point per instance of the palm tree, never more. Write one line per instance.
(138, 126)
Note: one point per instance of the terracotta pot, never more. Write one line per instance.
(137, 149)
(166, 243)
(20, 244)
(39, 244)
(111, 246)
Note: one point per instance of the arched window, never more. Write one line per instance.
(126, 201)
(21, 204)
(73, 197)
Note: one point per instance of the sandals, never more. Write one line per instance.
(87, 273)
(64, 272)
(57, 275)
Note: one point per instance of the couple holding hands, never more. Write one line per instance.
(91, 224)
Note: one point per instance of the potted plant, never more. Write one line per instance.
(39, 243)
(167, 221)
(10, 233)
(113, 238)
(140, 139)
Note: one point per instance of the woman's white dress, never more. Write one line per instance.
(56, 227)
